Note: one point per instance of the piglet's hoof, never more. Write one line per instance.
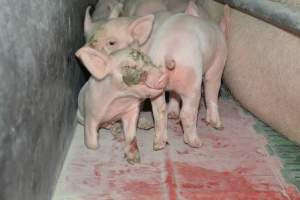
(91, 141)
(194, 142)
(145, 123)
(132, 153)
(217, 126)
(204, 120)
(92, 145)
(133, 157)
(159, 145)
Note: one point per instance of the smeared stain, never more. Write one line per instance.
(175, 126)
(143, 190)
(217, 141)
(218, 185)
(220, 145)
(97, 170)
(170, 179)
(91, 182)
(293, 193)
(237, 172)
(184, 152)
(136, 182)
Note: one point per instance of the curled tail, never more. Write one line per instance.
(225, 21)
(170, 64)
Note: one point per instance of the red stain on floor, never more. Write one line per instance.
(183, 152)
(170, 180)
(97, 170)
(234, 196)
(232, 165)
(141, 190)
(210, 180)
(175, 126)
(293, 193)
(199, 183)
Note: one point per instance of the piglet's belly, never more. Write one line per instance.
(109, 119)
(117, 109)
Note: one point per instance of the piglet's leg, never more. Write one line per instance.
(90, 133)
(159, 108)
(173, 106)
(212, 83)
(129, 120)
(188, 116)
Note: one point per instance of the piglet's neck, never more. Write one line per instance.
(112, 92)
(114, 101)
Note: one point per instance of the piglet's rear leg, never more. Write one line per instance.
(159, 108)
(188, 116)
(90, 133)
(129, 120)
(212, 83)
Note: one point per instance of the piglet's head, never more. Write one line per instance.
(118, 33)
(129, 70)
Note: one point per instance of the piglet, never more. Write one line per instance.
(190, 41)
(118, 84)
(143, 7)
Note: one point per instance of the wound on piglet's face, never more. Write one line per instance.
(137, 74)
(141, 57)
(133, 76)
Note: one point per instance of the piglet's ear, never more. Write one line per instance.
(88, 24)
(140, 29)
(192, 9)
(94, 61)
(115, 10)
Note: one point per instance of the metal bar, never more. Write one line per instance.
(276, 12)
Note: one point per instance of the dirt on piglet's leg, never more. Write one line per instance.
(117, 130)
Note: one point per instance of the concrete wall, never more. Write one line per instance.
(40, 79)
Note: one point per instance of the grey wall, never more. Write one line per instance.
(39, 81)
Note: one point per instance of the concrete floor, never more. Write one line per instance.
(233, 164)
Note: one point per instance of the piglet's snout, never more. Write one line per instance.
(157, 81)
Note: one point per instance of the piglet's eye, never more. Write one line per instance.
(112, 43)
